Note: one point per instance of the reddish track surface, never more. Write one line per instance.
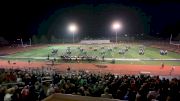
(113, 68)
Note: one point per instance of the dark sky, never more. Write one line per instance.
(94, 17)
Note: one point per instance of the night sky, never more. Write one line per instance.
(94, 17)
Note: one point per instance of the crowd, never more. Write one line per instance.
(37, 84)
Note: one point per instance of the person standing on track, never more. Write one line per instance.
(52, 62)
(172, 70)
(162, 65)
(9, 62)
(29, 61)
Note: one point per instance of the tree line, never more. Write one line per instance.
(43, 39)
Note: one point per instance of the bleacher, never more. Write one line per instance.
(166, 46)
(95, 42)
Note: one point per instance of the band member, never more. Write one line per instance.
(165, 52)
(103, 58)
(48, 57)
(141, 52)
(54, 59)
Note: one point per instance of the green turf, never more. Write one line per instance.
(150, 53)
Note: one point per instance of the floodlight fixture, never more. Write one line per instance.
(116, 26)
(72, 28)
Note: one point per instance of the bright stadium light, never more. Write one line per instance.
(72, 28)
(116, 26)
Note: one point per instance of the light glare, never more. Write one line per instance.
(72, 28)
(116, 26)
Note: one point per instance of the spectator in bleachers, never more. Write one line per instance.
(8, 95)
(2, 93)
(106, 94)
(139, 88)
(50, 90)
(25, 93)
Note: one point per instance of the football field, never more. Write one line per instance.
(109, 51)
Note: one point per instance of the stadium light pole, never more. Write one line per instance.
(30, 41)
(72, 28)
(116, 26)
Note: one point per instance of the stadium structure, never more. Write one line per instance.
(72, 67)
